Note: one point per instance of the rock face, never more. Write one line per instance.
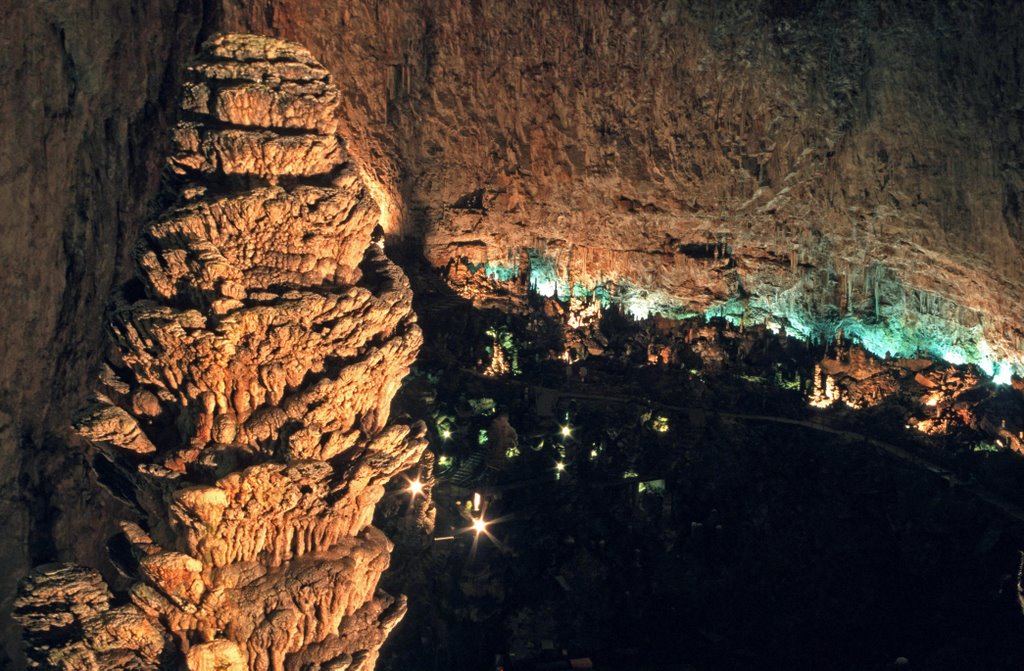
(87, 91)
(805, 162)
(245, 398)
(853, 165)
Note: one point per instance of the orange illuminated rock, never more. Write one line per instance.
(245, 403)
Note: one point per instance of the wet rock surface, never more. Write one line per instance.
(245, 401)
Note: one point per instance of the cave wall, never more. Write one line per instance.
(87, 87)
(860, 162)
(849, 160)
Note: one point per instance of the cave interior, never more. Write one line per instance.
(507, 335)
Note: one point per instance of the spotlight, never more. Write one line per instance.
(566, 431)
(479, 526)
(415, 487)
(560, 466)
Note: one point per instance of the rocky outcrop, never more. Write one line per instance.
(245, 398)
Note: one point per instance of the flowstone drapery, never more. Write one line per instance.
(244, 403)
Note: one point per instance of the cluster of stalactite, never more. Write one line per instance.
(244, 402)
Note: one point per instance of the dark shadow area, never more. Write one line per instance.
(685, 511)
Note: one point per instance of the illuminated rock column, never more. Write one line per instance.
(244, 403)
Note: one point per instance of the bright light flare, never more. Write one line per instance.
(560, 466)
(446, 434)
(415, 487)
(566, 431)
(480, 525)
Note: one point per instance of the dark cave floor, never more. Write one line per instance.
(645, 518)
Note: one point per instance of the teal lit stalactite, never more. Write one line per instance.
(888, 319)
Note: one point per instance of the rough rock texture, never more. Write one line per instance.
(857, 159)
(86, 88)
(245, 398)
(854, 164)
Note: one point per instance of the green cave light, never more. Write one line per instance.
(1003, 373)
(544, 276)
(880, 328)
(499, 272)
(954, 357)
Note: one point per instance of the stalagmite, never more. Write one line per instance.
(244, 406)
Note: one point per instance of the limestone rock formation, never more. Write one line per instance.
(859, 163)
(87, 91)
(245, 398)
(856, 164)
